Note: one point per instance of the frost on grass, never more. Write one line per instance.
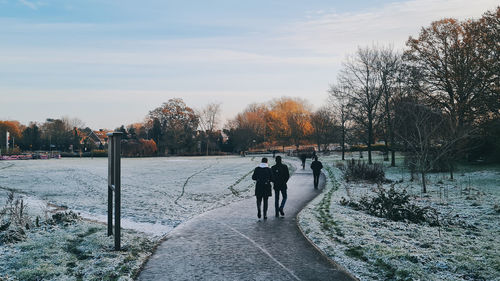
(65, 247)
(463, 247)
(157, 193)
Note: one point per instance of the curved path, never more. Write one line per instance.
(230, 243)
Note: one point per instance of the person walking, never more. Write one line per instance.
(263, 177)
(280, 178)
(303, 160)
(316, 166)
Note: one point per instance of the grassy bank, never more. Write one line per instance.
(462, 247)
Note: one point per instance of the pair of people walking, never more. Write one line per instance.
(278, 175)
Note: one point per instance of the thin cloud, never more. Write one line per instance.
(29, 4)
(334, 33)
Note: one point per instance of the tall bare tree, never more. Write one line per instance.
(208, 120)
(388, 69)
(359, 75)
(338, 98)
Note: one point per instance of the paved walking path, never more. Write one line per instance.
(230, 243)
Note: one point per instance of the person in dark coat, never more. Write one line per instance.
(303, 160)
(263, 177)
(316, 166)
(280, 178)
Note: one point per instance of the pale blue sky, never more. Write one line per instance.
(110, 62)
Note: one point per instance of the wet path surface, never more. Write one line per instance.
(231, 243)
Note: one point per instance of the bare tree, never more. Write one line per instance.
(419, 128)
(323, 126)
(208, 120)
(338, 98)
(388, 69)
(361, 79)
(425, 133)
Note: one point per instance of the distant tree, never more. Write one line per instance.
(300, 127)
(157, 135)
(132, 132)
(140, 131)
(71, 123)
(288, 121)
(148, 147)
(14, 128)
(178, 124)
(248, 128)
(56, 134)
(30, 138)
(76, 139)
(457, 66)
(209, 119)
(124, 132)
(323, 127)
(26, 141)
(339, 100)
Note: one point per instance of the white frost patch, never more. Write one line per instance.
(155, 230)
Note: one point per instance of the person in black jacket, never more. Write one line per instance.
(303, 158)
(280, 178)
(316, 166)
(263, 177)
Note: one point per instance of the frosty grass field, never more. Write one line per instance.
(157, 195)
(160, 193)
(375, 248)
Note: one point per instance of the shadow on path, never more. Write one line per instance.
(230, 243)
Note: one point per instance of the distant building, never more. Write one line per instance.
(99, 138)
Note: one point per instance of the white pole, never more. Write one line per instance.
(7, 142)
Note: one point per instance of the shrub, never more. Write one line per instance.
(496, 208)
(13, 220)
(360, 170)
(394, 205)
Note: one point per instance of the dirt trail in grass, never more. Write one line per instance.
(7, 166)
(191, 176)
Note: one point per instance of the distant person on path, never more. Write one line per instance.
(316, 166)
(303, 159)
(280, 178)
(263, 177)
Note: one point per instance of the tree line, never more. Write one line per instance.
(172, 128)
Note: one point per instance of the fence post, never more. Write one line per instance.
(110, 184)
(114, 185)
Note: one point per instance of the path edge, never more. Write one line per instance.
(297, 219)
